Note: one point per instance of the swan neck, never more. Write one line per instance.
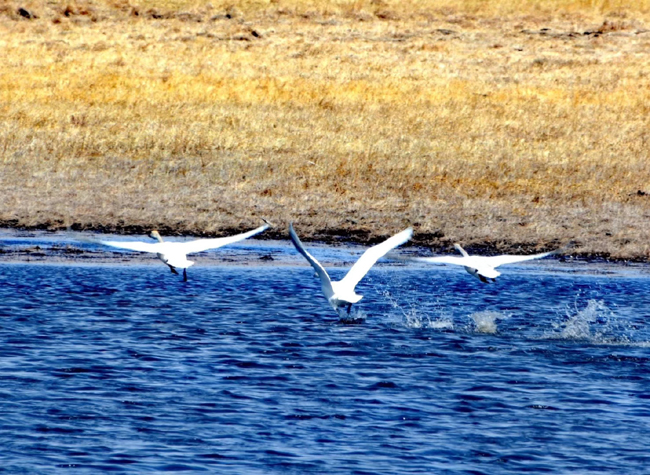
(461, 250)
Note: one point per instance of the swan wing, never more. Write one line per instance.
(368, 258)
(200, 245)
(320, 270)
(459, 261)
(496, 261)
(134, 245)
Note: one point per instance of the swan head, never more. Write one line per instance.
(156, 235)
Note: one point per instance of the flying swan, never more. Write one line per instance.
(174, 254)
(341, 294)
(482, 267)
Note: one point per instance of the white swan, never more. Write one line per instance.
(340, 294)
(174, 254)
(483, 267)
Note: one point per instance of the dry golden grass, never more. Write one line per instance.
(471, 120)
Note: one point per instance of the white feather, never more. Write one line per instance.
(341, 293)
(483, 267)
(174, 254)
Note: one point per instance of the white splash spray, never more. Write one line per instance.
(595, 323)
(355, 317)
(412, 317)
(578, 326)
(486, 321)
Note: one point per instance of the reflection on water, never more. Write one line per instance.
(248, 370)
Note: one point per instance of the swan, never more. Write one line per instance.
(341, 294)
(174, 254)
(483, 267)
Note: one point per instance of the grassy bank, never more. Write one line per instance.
(472, 121)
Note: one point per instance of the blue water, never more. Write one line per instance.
(248, 370)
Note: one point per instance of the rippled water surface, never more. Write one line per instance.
(246, 369)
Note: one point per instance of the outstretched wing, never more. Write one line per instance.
(320, 270)
(496, 261)
(200, 245)
(134, 246)
(459, 261)
(368, 258)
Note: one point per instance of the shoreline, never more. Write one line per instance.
(64, 245)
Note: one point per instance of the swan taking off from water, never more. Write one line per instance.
(341, 294)
(174, 254)
(483, 267)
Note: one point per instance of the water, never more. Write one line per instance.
(246, 369)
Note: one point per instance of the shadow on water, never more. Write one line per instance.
(248, 370)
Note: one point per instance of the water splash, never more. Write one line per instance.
(486, 321)
(413, 318)
(596, 323)
(422, 321)
(579, 326)
(355, 317)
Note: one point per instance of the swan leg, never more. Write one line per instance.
(483, 279)
(184, 275)
(349, 308)
(174, 271)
